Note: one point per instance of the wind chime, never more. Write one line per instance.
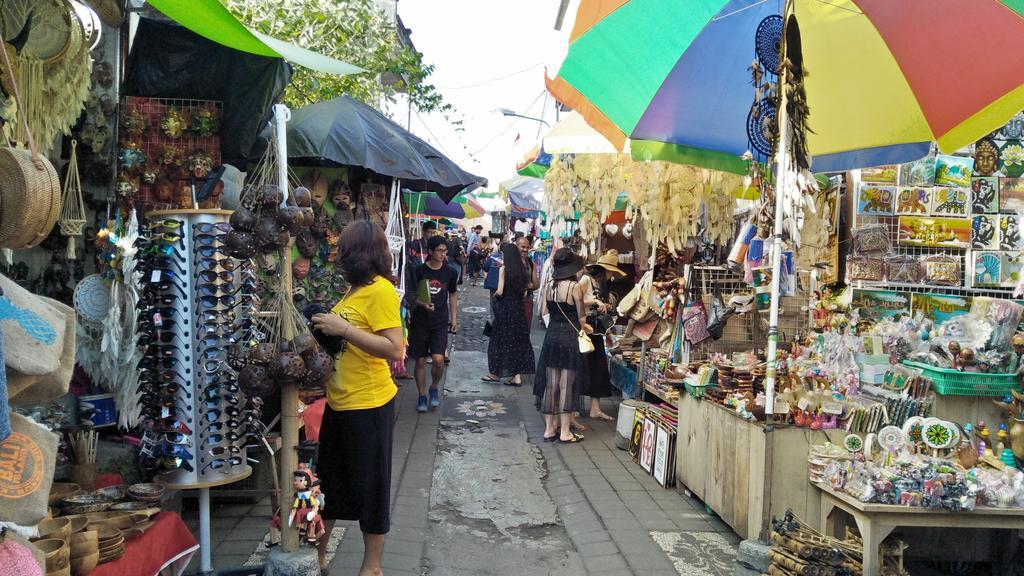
(72, 210)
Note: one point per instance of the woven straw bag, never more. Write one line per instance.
(30, 198)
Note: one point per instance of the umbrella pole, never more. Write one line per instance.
(783, 179)
(289, 395)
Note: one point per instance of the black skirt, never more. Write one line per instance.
(354, 466)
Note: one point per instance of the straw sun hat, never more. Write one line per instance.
(609, 261)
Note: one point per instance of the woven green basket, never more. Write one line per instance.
(950, 382)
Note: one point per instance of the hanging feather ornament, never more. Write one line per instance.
(72, 210)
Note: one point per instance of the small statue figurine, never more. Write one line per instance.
(306, 508)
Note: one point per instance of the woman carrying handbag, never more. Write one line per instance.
(597, 382)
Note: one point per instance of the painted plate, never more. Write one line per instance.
(853, 443)
(913, 429)
(891, 438)
(938, 436)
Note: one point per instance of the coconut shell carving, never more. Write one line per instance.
(267, 232)
(321, 224)
(240, 244)
(288, 366)
(307, 244)
(308, 217)
(271, 196)
(242, 219)
(304, 344)
(319, 364)
(255, 380)
(302, 197)
(238, 356)
(263, 353)
(300, 268)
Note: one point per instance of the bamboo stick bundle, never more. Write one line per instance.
(774, 570)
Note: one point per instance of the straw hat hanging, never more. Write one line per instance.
(72, 211)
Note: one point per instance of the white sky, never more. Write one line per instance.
(488, 54)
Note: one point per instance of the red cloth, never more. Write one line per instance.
(311, 418)
(105, 480)
(167, 542)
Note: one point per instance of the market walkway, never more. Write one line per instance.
(476, 492)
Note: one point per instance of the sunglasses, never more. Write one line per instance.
(164, 286)
(214, 439)
(174, 463)
(224, 450)
(227, 300)
(211, 227)
(164, 263)
(207, 289)
(167, 425)
(172, 450)
(150, 299)
(211, 276)
(166, 390)
(147, 249)
(219, 401)
(168, 223)
(175, 438)
(209, 239)
(163, 375)
(218, 426)
(214, 413)
(219, 463)
(211, 263)
(159, 351)
(209, 251)
(163, 363)
(214, 392)
(149, 336)
(152, 401)
(162, 412)
(158, 315)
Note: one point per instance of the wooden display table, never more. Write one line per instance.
(876, 521)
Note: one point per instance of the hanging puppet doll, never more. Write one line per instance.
(305, 514)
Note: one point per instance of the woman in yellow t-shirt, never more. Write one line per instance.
(354, 459)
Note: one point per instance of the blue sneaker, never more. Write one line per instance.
(435, 399)
(421, 404)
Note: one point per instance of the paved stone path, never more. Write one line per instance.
(476, 492)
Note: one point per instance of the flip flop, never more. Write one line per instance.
(491, 380)
(604, 417)
(511, 383)
(576, 438)
(550, 438)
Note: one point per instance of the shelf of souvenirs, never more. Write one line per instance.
(950, 290)
(664, 392)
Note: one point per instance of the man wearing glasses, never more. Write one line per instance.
(434, 317)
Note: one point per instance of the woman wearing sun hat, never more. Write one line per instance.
(597, 383)
(560, 362)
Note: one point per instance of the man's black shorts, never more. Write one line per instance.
(427, 340)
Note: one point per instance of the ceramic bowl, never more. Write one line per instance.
(61, 490)
(147, 492)
(129, 506)
(58, 528)
(86, 508)
(113, 493)
(84, 500)
(85, 564)
(84, 543)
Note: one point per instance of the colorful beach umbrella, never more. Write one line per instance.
(535, 163)
(885, 78)
(429, 204)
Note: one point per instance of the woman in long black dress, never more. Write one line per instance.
(560, 362)
(597, 384)
(509, 352)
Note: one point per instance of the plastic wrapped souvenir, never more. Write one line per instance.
(866, 268)
(871, 239)
(903, 268)
(942, 270)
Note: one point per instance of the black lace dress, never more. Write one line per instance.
(560, 361)
(510, 351)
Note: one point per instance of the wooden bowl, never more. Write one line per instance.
(57, 528)
(119, 521)
(84, 543)
(85, 564)
(112, 556)
(146, 492)
(112, 546)
(56, 551)
(78, 523)
(61, 490)
(86, 508)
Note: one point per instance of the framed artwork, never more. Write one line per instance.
(878, 304)
(951, 201)
(647, 447)
(986, 157)
(935, 232)
(880, 174)
(939, 307)
(873, 199)
(662, 458)
(953, 171)
(1013, 129)
(913, 200)
(1009, 232)
(1011, 158)
(984, 195)
(1011, 267)
(1011, 195)
(985, 270)
(918, 173)
(984, 232)
(636, 439)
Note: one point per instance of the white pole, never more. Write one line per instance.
(281, 117)
(205, 559)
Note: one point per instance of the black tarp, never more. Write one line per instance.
(169, 61)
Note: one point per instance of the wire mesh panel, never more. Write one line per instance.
(746, 330)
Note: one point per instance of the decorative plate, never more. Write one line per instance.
(853, 443)
(954, 430)
(891, 438)
(937, 435)
(913, 429)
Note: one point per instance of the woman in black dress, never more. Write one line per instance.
(509, 352)
(560, 362)
(597, 384)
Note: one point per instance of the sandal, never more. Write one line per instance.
(489, 379)
(512, 383)
(576, 438)
(550, 438)
(602, 416)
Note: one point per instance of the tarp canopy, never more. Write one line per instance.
(345, 131)
(525, 193)
(210, 19)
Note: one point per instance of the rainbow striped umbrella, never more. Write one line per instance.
(885, 78)
(431, 205)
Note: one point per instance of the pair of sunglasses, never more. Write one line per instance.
(150, 336)
(175, 438)
(208, 239)
(166, 390)
(219, 463)
(175, 463)
(170, 425)
(172, 450)
(213, 393)
(214, 439)
(214, 263)
(160, 375)
(212, 227)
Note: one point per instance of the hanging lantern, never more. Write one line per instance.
(72, 210)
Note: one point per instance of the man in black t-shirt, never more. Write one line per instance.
(434, 316)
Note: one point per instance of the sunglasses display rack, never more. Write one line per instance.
(193, 306)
